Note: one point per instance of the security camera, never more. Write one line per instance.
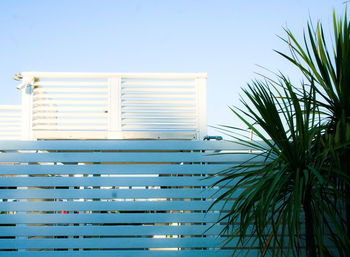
(18, 76)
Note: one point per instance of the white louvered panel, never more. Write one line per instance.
(113, 105)
(62, 106)
(167, 98)
(10, 122)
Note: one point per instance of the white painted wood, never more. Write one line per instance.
(151, 200)
(139, 107)
(157, 83)
(121, 105)
(69, 134)
(167, 134)
(69, 83)
(148, 119)
(201, 107)
(69, 90)
(65, 108)
(73, 102)
(27, 107)
(68, 127)
(114, 108)
(64, 121)
(91, 75)
(158, 89)
(10, 121)
(10, 118)
(158, 101)
(37, 97)
(68, 114)
(4, 125)
(14, 133)
(156, 96)
(167, 114)
(5, 107)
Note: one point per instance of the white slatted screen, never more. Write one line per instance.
(10, 122)
(159, 108)
(116, 105)
(65, 109)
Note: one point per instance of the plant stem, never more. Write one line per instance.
(347, 192)
(309, 226)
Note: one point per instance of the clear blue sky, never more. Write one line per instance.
(226, 39)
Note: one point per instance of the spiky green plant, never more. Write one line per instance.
(330, 73)
(291, 203)
(277, 191)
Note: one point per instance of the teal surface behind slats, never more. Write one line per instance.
(112, 198)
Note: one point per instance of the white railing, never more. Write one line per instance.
(10, 122)
(113, 105)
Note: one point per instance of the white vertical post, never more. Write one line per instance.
(114, 108)
(201, 100)
(27, 108)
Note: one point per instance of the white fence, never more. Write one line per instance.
(113, 105)
(107, 198)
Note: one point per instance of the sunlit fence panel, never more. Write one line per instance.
(113, 198)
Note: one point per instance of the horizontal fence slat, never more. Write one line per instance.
(118, 230)
(105, 181)
(190, 242)
(125, 253)
(123, 145)
(94, 218)
(113, 169)
(131, 205)
(137, 157)
(106, 193)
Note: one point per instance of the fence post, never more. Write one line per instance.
(201, 100)
(114, 108)
(27, 108)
